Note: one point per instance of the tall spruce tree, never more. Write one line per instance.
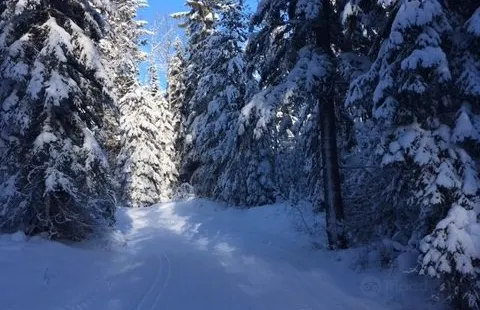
(422, 123)
(166, 139)
(211, 127)
(53, 97)
(175, 95)
(279, 118)
(144, 166)
(294, 52)
(123, 49)
(125, 42)
(198, 25)
(451, 251)
(144, 171)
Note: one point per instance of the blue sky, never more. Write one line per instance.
(156, 9)
(163, 8)
(167, 7)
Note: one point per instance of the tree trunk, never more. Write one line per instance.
(328, 34)
(331, 174)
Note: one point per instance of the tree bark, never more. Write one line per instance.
(328, 34)
(331, 174)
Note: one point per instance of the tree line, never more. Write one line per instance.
(369, 109)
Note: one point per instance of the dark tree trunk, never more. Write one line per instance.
(329, 34)
(331, 174)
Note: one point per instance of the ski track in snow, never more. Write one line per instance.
(188, 255)
(158, 286)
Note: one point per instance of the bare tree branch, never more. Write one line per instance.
(160, 41)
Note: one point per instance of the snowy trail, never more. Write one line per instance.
(189, 255)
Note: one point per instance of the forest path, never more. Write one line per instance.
(187, 255)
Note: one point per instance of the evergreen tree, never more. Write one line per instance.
(145, 172)
(409, 95)
(124, 54)
(198, 25)
(53, 95)
(278, 122)
(175, 96)
(211, 128)
(144, 167)
(166, 140)
(450, 251)
(296, 53)
(124, 46)
(153, 81)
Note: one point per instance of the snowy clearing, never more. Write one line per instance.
(196, 255)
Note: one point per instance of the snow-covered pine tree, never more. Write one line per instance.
(144, 166)
(166, 125)
(145, 172)
(409, 94)
(211, 129)
(295, 54)
(372, 194)
(364, 25)
(198, 25)
(124, 54)
(53, 98)
(153, 78)
(124, 46)
(278, 123)
(175, 96)
(452, 251)
(466, 63)
(377, 115)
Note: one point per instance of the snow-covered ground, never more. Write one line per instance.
(196, 255)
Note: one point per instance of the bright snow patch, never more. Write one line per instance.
(194, 255)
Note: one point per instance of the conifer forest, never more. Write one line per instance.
(270, 154)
